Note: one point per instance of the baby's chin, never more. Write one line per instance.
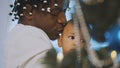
(71, 50)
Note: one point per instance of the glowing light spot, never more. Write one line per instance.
(59, 57)
(113, 55)
(119, 34)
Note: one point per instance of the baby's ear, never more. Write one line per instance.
(60, 41)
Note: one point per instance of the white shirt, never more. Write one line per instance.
(25, 47)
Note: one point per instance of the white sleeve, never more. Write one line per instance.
(23, 47)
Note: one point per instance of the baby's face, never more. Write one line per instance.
(67, 39)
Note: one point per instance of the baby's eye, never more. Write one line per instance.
(71, 37)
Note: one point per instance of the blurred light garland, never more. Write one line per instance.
(79, 20)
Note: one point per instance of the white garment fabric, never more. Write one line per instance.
(26, 47)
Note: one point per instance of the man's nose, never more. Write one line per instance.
(62, 18)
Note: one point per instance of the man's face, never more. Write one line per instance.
(52, 22)
(68, 39)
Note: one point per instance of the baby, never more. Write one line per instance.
(67, 39)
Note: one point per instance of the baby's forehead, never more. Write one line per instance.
(68, 28)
